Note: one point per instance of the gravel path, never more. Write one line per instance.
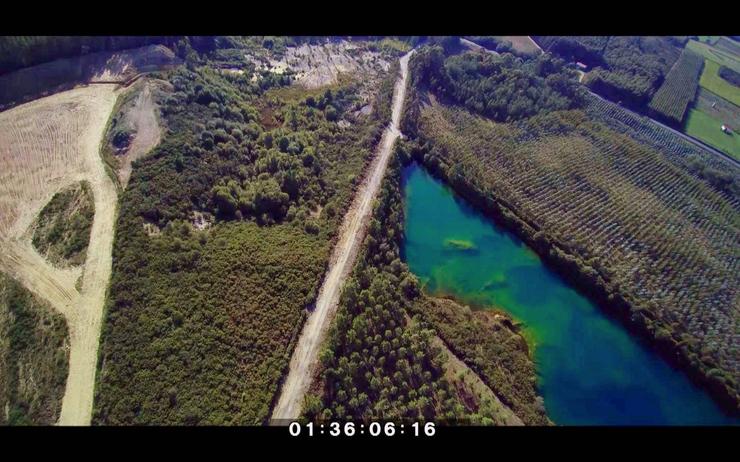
(354, 227)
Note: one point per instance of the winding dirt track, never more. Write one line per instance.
(46, 145)
(305, 356)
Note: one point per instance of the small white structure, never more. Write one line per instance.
(725, 129)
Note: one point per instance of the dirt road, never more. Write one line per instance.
(306, 353)
(51, 143)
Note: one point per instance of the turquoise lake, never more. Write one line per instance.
(591, 370)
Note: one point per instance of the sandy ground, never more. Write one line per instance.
(535, 44)
(47, 145)
(354, 227)
(143, 119)
(319, 65)
(523, 43)
(475, 47)
(124, 64)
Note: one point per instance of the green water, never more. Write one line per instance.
(591, 371)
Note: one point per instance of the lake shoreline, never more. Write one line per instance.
(610, 302)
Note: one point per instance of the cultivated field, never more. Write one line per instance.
(47, 145)
(707, 128)
(635, 215)
(679, 87)
(711, 80)
(717, 107)
(725, 56)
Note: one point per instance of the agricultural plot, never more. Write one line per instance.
(711, 80)
(635, 215)
(707, 128)
(722, 56)
(675, 149)
(710, 39)
(729, 46)
(678, 90)
(45, 146)
(717, 107)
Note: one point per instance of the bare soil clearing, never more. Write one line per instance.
(522, 44)
(319, 65)
(63, 74)
(475, 47)
(354, 227)
(141, 118)
(46, 145)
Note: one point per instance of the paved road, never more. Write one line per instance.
(354, 227)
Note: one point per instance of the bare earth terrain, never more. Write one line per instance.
(46, 145)
(142, 118)
(319, 65)
(305, 356)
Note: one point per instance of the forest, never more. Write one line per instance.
(504, 89)
(223, 236)
(62, 229)
(21, 51)
(379, 360)
(34, 357)
(629, 69)
(567, 183)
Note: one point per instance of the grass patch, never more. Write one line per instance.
(709, 39)
(711, 80)
(715, 54)
(717, 107)
(707, 129)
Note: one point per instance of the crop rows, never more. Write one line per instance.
(679, 87)
(673, 148)
(639, 217)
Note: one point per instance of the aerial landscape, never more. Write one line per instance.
(295, 231)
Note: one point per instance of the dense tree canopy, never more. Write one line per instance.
(505, 89)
